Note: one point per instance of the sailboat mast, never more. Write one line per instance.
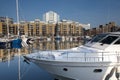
(7, 22)
(7, 27)
(18, 32)
(18, 24)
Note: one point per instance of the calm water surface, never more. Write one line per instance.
(9, 71)
(9, 62)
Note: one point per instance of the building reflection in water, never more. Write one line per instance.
(9, 54)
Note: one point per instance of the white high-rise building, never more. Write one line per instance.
(51, 17)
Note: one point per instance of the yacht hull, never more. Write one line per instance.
(79, 70)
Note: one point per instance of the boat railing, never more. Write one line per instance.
(93, 56)
(81, 56)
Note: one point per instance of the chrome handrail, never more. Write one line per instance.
(82, 56)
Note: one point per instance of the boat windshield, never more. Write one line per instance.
(109, 39)
(98, 37)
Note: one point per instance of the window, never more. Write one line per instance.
(97, 70)
(118, 41)
(98, 37)
(109, 39)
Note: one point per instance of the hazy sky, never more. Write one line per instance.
(95, 12)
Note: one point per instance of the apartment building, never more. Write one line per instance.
(69, 28)
(6, 19)
(40, 28)
(51, 17)
(62, 28)
(110, 27)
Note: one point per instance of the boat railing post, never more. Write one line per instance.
(67, 55)
(102, 56)
(118, 57)
(85, 56)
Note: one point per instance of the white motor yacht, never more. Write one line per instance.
(99, 59)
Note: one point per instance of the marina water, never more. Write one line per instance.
(9, 59)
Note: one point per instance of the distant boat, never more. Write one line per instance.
(48, 39)
(99, 59)
(58, 37)
(7, 43)
(18, 42)
(63, 38)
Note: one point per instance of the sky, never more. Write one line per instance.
(94, 12)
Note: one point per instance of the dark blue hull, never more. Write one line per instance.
(11, 44)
